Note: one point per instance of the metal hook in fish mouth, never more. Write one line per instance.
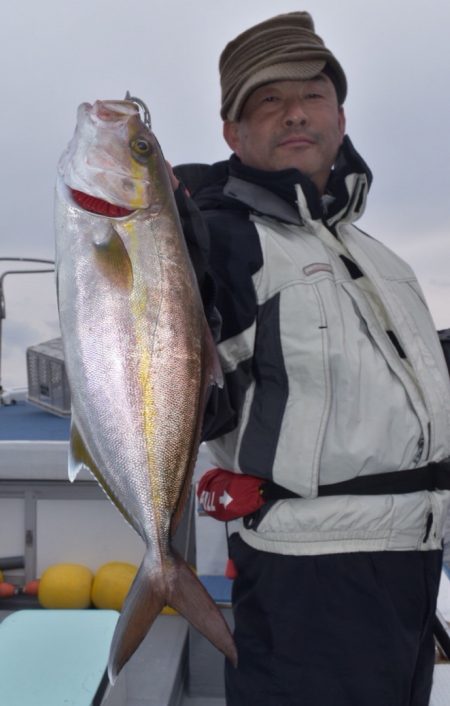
(146, 113)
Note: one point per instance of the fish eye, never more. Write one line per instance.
(141, 146)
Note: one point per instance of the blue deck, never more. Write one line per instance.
(219, 587)
(25, 422)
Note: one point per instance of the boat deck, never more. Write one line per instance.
(174, 666)
(170, 666)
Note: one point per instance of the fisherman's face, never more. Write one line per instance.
(290, 124)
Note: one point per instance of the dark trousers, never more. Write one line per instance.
(333, 630)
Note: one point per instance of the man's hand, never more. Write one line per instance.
(173, 179)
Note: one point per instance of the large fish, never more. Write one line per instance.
(138, 353)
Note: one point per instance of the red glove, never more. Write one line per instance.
(226, 496)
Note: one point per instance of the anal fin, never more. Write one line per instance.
(79, 456)
(81, 459)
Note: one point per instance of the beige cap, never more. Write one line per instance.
(282, 48)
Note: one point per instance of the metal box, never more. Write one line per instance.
(48, 386)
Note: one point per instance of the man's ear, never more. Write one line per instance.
(341, 121)
(231, 135)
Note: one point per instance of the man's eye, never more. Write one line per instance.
(313, 96)
(269, 99)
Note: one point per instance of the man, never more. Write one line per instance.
(336, 402)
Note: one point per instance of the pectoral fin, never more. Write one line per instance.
(114, 262)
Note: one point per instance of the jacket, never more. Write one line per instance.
(333, 368)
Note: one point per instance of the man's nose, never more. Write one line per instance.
(295, 114)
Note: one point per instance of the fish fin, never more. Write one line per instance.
(79, 457)
(174, 584)
(114, 262)
(145, 600)
(190, 598)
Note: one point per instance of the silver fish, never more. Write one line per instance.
(138, 353)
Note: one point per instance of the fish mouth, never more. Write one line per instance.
(98, 206)
(112, 110)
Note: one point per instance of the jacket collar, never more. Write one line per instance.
(290, 196)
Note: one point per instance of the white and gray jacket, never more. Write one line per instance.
(333, 368)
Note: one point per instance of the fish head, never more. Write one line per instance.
(114, 157)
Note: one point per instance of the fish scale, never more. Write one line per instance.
(139, 355)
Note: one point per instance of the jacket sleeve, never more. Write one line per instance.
(197, 241)
(223, 262)
(219, 415)
(234, 257)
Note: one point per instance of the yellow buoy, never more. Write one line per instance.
(65, 586)
(111, 584)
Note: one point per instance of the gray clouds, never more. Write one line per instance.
(56, 54)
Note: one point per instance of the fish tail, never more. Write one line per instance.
(172, 583)
(188, 596)
(145, 600)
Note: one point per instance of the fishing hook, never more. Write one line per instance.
(142, 105)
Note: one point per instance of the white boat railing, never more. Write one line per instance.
(3, 398)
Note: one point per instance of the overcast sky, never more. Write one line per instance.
(56, 54)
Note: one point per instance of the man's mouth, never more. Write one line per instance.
(296, 141)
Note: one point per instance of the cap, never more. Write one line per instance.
(284, 47)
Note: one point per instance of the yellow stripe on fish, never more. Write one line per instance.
(139, 305)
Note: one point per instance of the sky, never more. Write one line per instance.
(56, 54)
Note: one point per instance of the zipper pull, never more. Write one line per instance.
(428, 527)
(418, 454)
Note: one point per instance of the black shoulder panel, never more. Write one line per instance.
(261, 436)
(444, 337)
(234, 257)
